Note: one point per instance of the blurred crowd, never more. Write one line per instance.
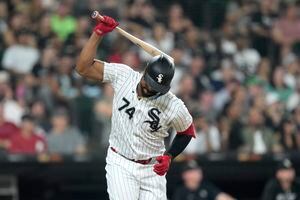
(237, 70)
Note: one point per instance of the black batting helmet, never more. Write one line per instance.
(159, 74)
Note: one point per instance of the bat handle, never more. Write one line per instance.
(96, 15)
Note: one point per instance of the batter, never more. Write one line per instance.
(143, 111)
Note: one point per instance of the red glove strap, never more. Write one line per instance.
(162, 167)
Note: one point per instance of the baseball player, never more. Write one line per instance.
(143, 111)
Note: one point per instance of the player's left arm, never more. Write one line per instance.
(183, 124)
(181, 140)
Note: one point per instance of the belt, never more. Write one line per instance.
(143, 162)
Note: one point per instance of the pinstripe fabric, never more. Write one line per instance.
(134, 181)
(139, 127)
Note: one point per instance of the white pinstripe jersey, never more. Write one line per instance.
(139, 126)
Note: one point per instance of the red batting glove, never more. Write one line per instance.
(105, 26)
(163, 164)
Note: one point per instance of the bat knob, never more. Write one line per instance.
(95, 14)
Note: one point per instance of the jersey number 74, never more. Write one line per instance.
(130, 111)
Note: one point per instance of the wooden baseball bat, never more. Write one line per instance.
(153, 51)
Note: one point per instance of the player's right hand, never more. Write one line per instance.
(162, 167)
(106, 25)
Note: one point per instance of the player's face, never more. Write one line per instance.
(145, 89)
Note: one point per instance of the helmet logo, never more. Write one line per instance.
(159, 78)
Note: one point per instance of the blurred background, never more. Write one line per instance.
(237, 70)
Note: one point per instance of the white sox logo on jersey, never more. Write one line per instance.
(159, 78)
(154, 124)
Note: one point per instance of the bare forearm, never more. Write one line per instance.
(88, 53)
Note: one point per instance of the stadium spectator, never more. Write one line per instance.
(7, 129)
(206, 103)
(286, 30)
(207, 139)
(257, 138)
(47, 62)
(278, 86)
(82, 107)
(197, 69)
(274, 112)
(284, 185)
(178, 54)
(142, 13)
(263, 72)
(246, 58)
(296, 117)
(13, 109)
(192, 40)
(6, 35)
(25, 89)
(45, 36)
(227, 87)
(291, 66)
(65, 78)
(22, 56)
(103, 113)
(131, 58)
(187, 90)
(63, 138)
(262, 22)
(196, 187)
(62, 23)
(26, 140)
(40, 114)
(288, 135)
(230, 126)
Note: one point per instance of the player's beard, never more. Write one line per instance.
(144, 93)
(151, 96)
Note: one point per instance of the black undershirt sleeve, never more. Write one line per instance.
(178, 145)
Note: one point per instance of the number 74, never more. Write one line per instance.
(130, 111)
